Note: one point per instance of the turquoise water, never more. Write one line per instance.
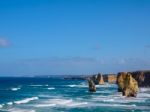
(60, 95)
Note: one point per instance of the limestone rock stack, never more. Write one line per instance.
(92, 87)
(127, 84)
(100, 79)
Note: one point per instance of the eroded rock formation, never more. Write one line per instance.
(98, 79)
(120, 80)
(92, 87)
(127, 84)
(142, 77)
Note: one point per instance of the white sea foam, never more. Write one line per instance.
(108, 100)
(143, 95)
(45, 96)
(66, 102)
(106, 91)
(15, 89)
(26, 100)
(20, 110)
(69, 103)
(117, 105)
(106, 85)
(54, 102)
(77, 104)
(1, 105)
(118, 98)
(121, 106)
(93, 104)
(72, 85)
(49, 96)
(81, 85)
(45, 105)
(50, 88)
(61, 103)
(10, 103)
(144, 90)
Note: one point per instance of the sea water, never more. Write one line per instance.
(60, 95)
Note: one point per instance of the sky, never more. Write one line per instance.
(63, 37)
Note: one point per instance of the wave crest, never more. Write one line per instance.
(15, 89)
(26, 100)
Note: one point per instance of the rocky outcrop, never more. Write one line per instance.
(142, 77)
(101, 79)
(94, 79)
(92, 87)
(127, 84)
(120, 80)
(98, 79)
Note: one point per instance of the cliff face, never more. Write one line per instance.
(111, 78)
(127, 84)
(142, 77)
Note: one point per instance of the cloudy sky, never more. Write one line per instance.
(54, 37)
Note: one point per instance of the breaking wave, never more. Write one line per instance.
(15, 89)
(50, 88)
(10, 103)
(1, 105)
(26, 100)
(61, 103)
(20, 110)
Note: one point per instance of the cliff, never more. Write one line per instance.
(142, 77)
(110, 78)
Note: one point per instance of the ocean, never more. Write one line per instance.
(56, 94)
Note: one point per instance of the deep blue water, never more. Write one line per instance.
(60, 95)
